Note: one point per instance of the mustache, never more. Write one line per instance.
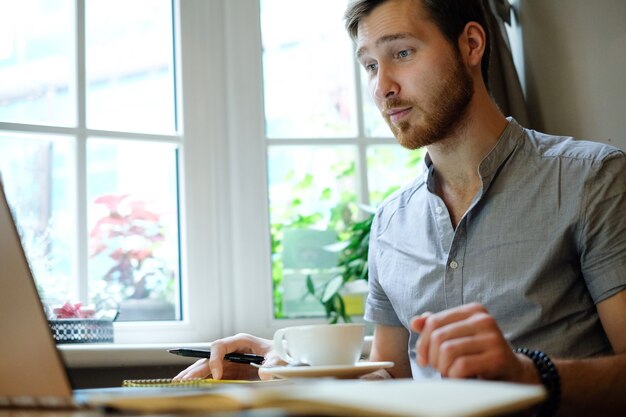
(393, 103)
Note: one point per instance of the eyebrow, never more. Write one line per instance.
(382, 40)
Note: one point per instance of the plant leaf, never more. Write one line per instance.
(341, 308)
(310, 286)
(331, 288)
(336, 247)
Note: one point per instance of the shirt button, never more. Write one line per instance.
(454, 265)
(438, 210)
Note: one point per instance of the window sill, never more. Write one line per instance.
(111, 354)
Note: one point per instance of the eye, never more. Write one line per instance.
(370, 67)
(405, 53)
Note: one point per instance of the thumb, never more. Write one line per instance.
(264, 376)
(271, 360)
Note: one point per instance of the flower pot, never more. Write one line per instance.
(81, 330)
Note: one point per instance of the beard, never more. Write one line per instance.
(449, 102)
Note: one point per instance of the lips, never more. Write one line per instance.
(397, 114)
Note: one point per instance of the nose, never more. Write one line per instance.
(386, 85)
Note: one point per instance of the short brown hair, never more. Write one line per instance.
(450, 16)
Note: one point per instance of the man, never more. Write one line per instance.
(511, 239)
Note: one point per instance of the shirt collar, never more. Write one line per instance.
(508, 141)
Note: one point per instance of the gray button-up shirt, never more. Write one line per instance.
(543, 241)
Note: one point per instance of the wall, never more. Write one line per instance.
(114, 376)
(575, 67)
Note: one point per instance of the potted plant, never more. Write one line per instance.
(126, 241)
(353, 268)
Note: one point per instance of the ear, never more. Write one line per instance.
(472, 44)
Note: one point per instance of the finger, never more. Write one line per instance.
(239, 343)
(446, 341)
(486, 354)
(220, 348)
(216, 362)
(263, 375)
(486, 364)
(438, 320)
(244, 343)
(199, 369)
(453, 353)
(272, 360)
(417, 322)
(417, 325)
(479, 325)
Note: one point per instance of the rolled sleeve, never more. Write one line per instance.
(603, 241)
(378, 308)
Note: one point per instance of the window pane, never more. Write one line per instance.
(389, 167)
(133, 228)
(308, 64)
(130, 81)
(37, 62)
(312, 197)
(37, 173)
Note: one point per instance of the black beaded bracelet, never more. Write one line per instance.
(549, 378)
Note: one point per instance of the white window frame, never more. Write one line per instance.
(225, 232)
(197, 36)
(252, 283)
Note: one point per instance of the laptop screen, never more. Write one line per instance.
(30, 364)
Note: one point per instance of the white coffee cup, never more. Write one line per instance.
(320, 344)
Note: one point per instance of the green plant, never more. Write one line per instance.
(301, 213)
(353, 266)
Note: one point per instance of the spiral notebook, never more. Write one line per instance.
(170, 383)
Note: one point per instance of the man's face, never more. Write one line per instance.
(415, 76)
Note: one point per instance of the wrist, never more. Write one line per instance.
(529, 373)
(377, 375)
(548, 375)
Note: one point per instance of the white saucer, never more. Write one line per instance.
(336, 371)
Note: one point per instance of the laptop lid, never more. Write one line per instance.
(30, 364)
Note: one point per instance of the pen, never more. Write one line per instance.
(205, 353)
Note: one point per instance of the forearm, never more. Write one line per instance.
(401, 368)
(593, 387)
(390, 344)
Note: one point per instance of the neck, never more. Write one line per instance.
(456, 158)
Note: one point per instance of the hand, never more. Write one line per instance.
(465, 342)
(218, 368)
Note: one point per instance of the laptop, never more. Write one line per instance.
(32, 370)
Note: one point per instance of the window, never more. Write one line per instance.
(328, 149)
(92, 156)
(239, 130)
(76, 156)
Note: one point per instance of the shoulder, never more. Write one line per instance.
(583, 152)
(589, 164)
